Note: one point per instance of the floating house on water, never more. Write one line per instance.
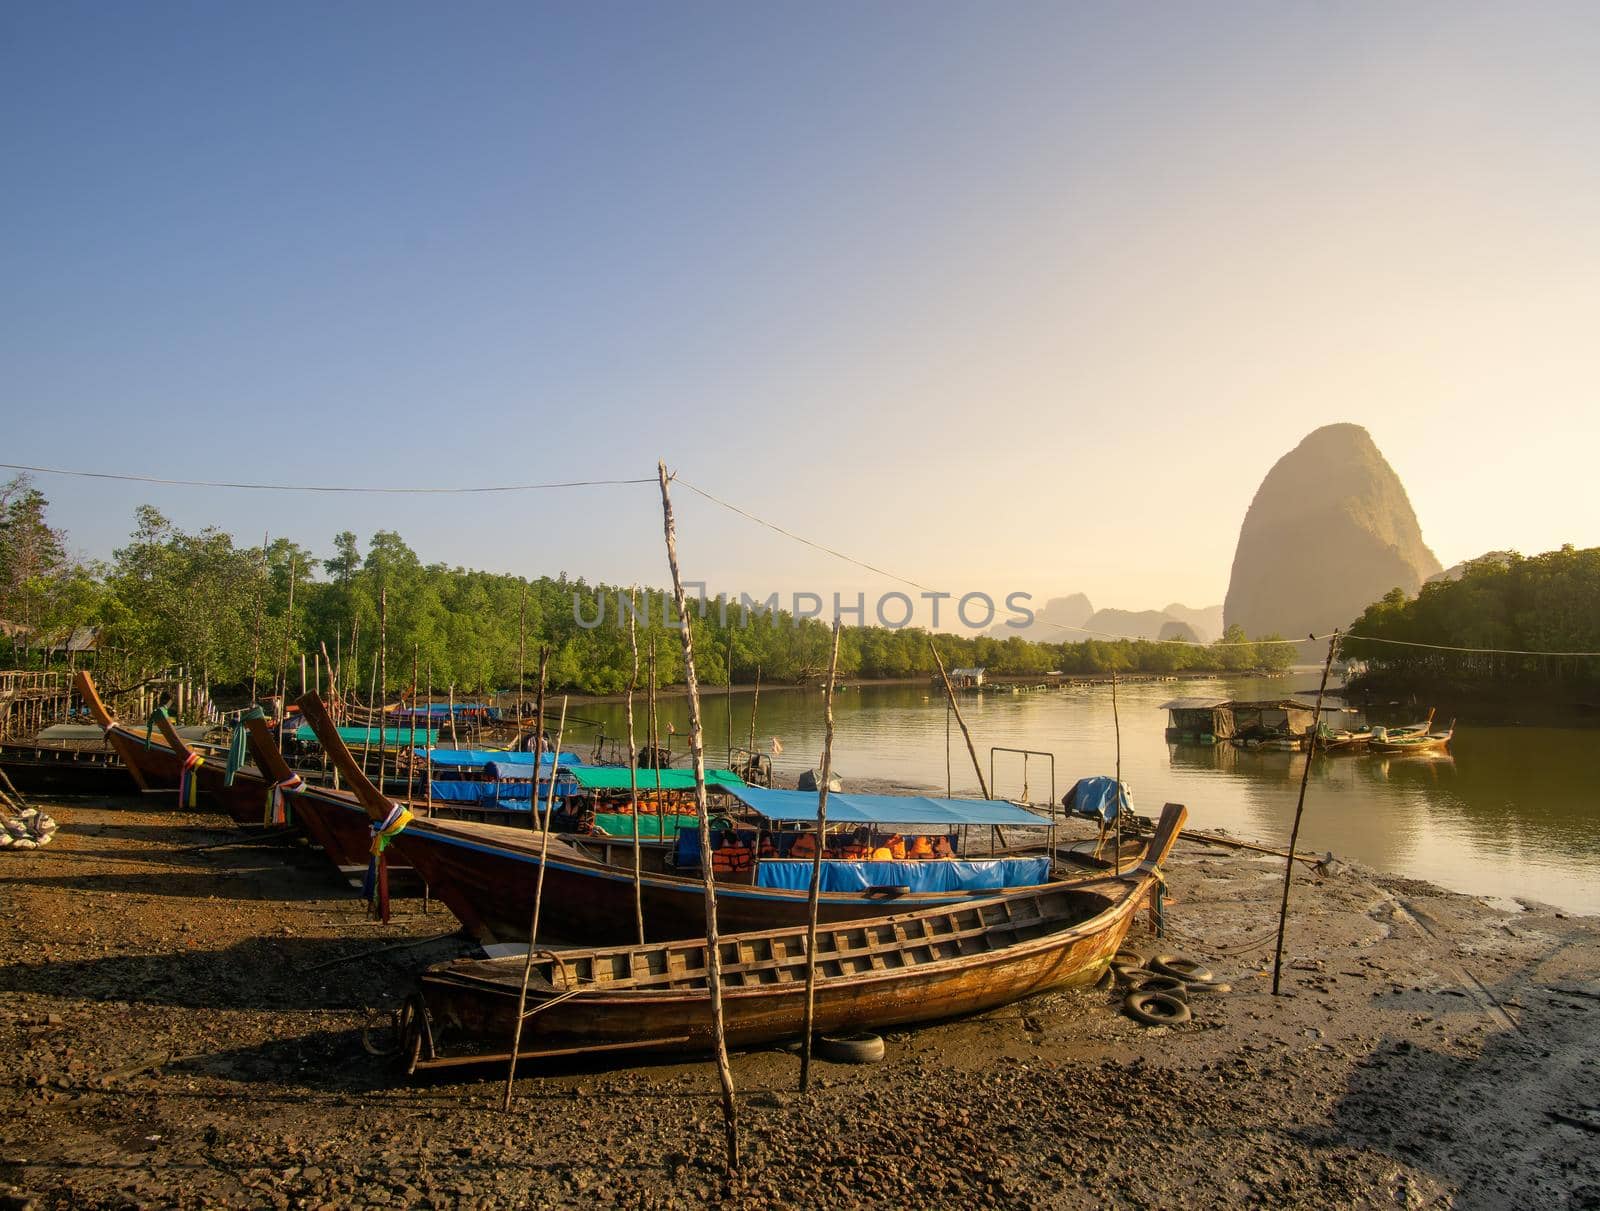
(966, 679)
(1284, 722)
(1198, 720)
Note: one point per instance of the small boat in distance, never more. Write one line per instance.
(1387, 742)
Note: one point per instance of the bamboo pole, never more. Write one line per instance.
(698, 758)
(255, 627)
(728, 700)
(288, 630)
(815, 896)
(633, 772)
(1116, 723)
(544, 837)
(654, 729)
(522, 667)
(427, 768)
(383, 681)
(755, 705)
(1300, 807)
(533, 928)
(950, 694)
(411, 750)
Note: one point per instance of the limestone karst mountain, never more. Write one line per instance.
(1330, 531)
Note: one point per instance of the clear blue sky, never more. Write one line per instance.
(1027, 296)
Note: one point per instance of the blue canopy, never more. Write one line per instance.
(472, 758)
(844, 808)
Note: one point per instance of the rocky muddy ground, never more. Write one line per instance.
(184, 1027)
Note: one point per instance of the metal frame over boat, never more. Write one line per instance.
(889, 971)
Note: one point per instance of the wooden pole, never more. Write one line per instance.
(427, 768)
(544, 837)
(527, 966)
(288, 630)
(366, 735)
(1116, 723)
(950, 694)
(411, 750)
(816, 867)
(1300, 807)
(633, 772)
(383, 681)
(755, 705)
(255, 627)
(728, 700)
(654, 727)
(697, 755)
(522, 669)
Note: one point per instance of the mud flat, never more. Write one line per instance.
(184, 1027)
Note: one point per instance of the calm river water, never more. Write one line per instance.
(1513, 811)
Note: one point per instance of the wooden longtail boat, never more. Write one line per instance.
(1413, 742)
(890, 971)
(56, 769)
(160, 763)
(486, 875)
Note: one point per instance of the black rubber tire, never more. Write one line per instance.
(1160, 983)
(1129, 958)
(1155, 1009)
(1126, 975)
(1180, 968)
(862, 1048)
(1210, 988)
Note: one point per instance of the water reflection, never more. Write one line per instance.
(1510, 812)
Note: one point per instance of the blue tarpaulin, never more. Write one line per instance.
(473, 758)
(514, 796)
(882, 809)
(934, 875)
(1095, 797)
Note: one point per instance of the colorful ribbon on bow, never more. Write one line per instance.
(189, 782)
(278, 809)
(375, 889)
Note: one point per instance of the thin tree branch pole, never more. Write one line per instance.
(633, 769)
(1116, 723)
(522, 665)
(372, 696)
(383, 681)
(698, 756)
(549, 811)
(288, 630)
(655, 723)
(527, 966)
(727, 699)
(815, 895)
(427, 768)
(1299, 808)
(411, 751)
(255, 627)
(950, 694)
(755, 705)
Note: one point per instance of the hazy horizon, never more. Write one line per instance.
(1028, 300)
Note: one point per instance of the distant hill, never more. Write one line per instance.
(1179, 632)
(1196, 626)
(1499, 558)
(1330, 530)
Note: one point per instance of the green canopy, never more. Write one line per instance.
(352, 736)
(620, 824)
(615, 778)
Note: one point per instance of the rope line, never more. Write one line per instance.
(211, 483)
(747, 515)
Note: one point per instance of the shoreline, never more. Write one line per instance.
(186, 1028)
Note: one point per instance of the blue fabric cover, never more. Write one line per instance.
(473, 758)
(514, 796)
(934, 875)
(1097, 797)
(882, 809)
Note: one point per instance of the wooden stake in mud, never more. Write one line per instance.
(544, 837)
(950, 694)
(288, 630)
(816, 867)
(633, 770)
(522, 665)
(1300, 807)
(527, 967)
(1116, 723)
(255, 627)
(755, 705)
(697, 754)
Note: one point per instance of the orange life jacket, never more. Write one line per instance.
(731, 858)
(855, 850)
(921, 847)
(767, 850)
(897, 847)
(941, 847)
(805, 846)
(882, 854)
